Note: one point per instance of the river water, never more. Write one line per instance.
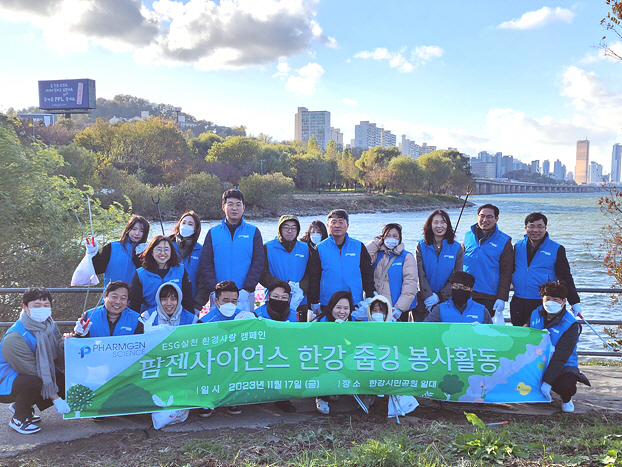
(573, 219)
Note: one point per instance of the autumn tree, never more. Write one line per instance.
(405, 175)
(239, 152)
(613, 24)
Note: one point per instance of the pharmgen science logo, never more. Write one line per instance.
(84, 350)
(116, 349)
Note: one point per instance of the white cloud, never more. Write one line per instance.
(347, 101)
(539, 18)
(305, 81)
(419, 56)
(209, 34)
(282, 68)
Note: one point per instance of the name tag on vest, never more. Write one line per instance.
(243, 236)
(554, 330)
(194, 257)
(493, 244)
(449, 256)
(350, 254)
(396, 264)
(299, 255)
(472, 316)
(126, 328)
(546, 253)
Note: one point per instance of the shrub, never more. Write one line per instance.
(200, 192)
(264, 191)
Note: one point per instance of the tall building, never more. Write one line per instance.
(337, 136)
(312, 123)
(546, 168)
(583, 162)
(616, 159)
(368, 135)
(534, 167)
(596, 173)
(482, 169)
(559, 170)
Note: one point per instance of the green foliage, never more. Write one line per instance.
(79, 397)
(312, 170)
(265, 191)
(375, 453)
(238, 152)
(79, 164)
(437, 169)
(404, 175)
(200, 192)
(203, 143)
(451, 384)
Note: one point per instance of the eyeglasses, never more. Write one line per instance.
(489, 216)
(162, 250)
(536, 227)
(460, 287)
(289, 228)
(234, 205)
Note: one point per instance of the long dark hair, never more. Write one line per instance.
(388, 227)
(428, 232)
(136, 219)
(319, 225)
(149, 261)
(328, 311)
(194, 238)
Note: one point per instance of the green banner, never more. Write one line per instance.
(256, 360)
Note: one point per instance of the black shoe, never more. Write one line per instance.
(98, 419)
(205, 412)
(33, 418)
(285, 406)
(234, 410)
(25, 428)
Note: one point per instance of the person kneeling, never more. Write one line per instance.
(168, 310)
(28, 353)
(460, 308)
(562, 372)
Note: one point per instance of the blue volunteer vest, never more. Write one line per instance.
(438, 268)
(7, 372)
(396, 276)
(482, 261)
(262, 312)
(126, 325)
(120, 267)
(232, 257)
(191, 263)
(152, 282)
(555, 332)
(341, 269)
(287, 266)
(527, 278)
(186, 317)
(473, 313)
(214, 315)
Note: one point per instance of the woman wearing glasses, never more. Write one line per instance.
(161, 264)
(395, 270)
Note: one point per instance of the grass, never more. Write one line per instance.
(438, 439)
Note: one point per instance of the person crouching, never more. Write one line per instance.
(168, 310)
(460, 308)
(562, 372)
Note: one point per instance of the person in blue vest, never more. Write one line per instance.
(168, 310)
(161, 264)
(438, 256)
(562, 371)
(342, 263)
(185, 237)
(287, 259)
(232, 250)
(113, 318)
(315, 234)
(118, 261)
(395, 270)
(538, 259)
(31, 355)
(225, 308)
(489, 256)
(460, 308)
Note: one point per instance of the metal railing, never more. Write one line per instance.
(582, 353)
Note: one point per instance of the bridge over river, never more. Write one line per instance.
(486, 186)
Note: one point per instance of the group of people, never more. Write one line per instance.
(325, 275)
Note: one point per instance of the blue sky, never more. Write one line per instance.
(524, 78)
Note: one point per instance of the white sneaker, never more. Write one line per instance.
(33, 418)
(25, 428)
(322, 406)
(568, 406)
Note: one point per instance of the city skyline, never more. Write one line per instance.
(523, 78)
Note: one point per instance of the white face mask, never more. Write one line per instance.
(227, 309)
(186, 230)
(551, 307)
(40, 314)
(338, 321)
(377, 317)
(316, 238)
(391, 243)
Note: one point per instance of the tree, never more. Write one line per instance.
(451, 385)
(200, 192)
(346, 164)
(332, 151)
(405, 175)
(613, 23)
(264, 191)
(437, 169)
(312, 170)
(373, 163)
(238, 151)
(201, 145)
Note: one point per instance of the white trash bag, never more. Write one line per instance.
(85, 273)
(167, 417)
(405, 404)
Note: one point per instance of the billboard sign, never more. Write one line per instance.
(67, 94)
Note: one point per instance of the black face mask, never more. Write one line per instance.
(278, 309)
(460, 297)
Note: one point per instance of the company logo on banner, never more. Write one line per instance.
(251, 361)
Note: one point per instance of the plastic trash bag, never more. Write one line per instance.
(85, 273)
(405, 404)
(498, 318)
(167, 417)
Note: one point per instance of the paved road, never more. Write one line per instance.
(605, 395)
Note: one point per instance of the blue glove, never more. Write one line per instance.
(61, 405)
(545, 389)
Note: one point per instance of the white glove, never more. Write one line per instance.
(545, 389)
(82, 327)
(576, 309)
(91, 250)
(140, 248)
(498, 306)
(297, 294)
(431, 301)
(396, 314)
(61, 405)
(243, 303)
(148, 323)
(313, 312)
(245, 315)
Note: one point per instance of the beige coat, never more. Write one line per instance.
(410, 275)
